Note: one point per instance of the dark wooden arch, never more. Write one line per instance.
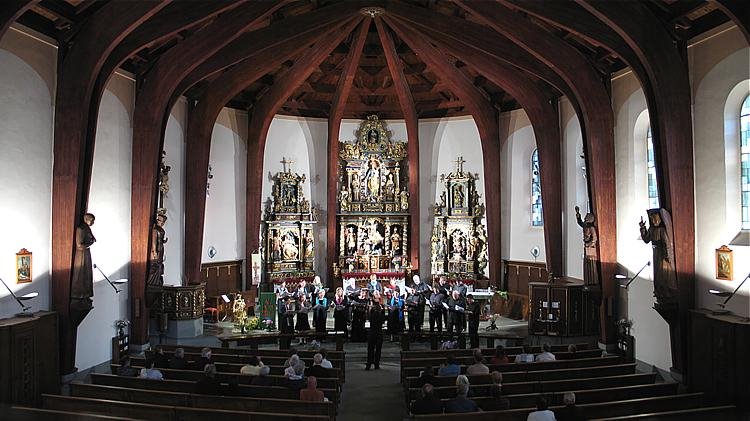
(486, 119)
(12, 10)
(737, 10)
(149, 120)
(406, 101)
(597, 118)
(343, 88)
(670, 109)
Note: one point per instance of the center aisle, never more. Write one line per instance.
(374, 394)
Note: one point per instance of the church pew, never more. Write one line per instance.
(189, 387)
(277, 370)
(708, 413)
(545, 386)
(225, 377)
(252, 340)
(535, 366)
(243, 359)
(527, 376)
(528, 400)
(336, 355)
(593, 410)
(468, 359)
(487, 352)
(162, 413)
(22, 413)
(156, 397)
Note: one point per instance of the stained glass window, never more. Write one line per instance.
(537, 219)
(653, 190)
(745, 162)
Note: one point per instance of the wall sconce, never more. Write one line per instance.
(728, 296)
(21, 299)
(630, 281)
(113, 284)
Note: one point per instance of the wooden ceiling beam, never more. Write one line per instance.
(403, 93)
(60, 9)
(264, 110)
(11, 11)
(337, 107)
(485, 118)
(737, 10)
(73, 151)
(152, 108)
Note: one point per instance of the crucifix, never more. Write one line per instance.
(256, 268)
(286, 162)
(459, 164)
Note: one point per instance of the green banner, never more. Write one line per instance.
(267, 303)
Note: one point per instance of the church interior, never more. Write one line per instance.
(550, 197)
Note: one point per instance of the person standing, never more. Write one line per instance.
(321, 311)
(359, 316)
(395, 306)
(456, 313)
(436, 309)
(473, 310)
(422, 291)
(340, 311)
(303, 308)
(375, 334)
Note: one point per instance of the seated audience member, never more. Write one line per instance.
(262, 378)
(160, 360)
(317, 369)
(425, 376)
(253, 366)
(204, 359)
(125, 370)
(541, 413)
(325, 363)
(451, 367)
(208, 384)
(500, 357)
(149, 372)
(428, 403)
(572, 348)
(292, 352)
(546, 355)
(478, 367)
(178, 361)
(526, 356)
(498, 401)
(291, 371)
(570, 412)
(497, 377)
(461, 403)
(311, 392)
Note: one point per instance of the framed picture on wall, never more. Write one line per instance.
(23, 267)
(724, 264)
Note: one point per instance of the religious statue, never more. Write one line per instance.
(590, 238)
(404, 196)
(659, 234)
(289, 247)
(344, 199)
(276, 246)
(156, 255)
(82, 283)
(458, 196)
(442, 199)
(372, 179)
(305, 205)
(395, 242)
(390, 186)
(375, 239)
(351, 242)
(458, 244)
(309, 244)
(356, 187)
(373, 136)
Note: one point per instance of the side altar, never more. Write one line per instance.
(373, 215)
(289, 250)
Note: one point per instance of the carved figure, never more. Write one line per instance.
(350, 241)
(396, 242)
(372, 179)
(390, 186)
(344, 199)
(82, 283)
(276, 246)
(659, 234)
(356, 187)
(309, 244)
(373, 136)
(289, 247)
(458, 196)
(156, 258)
(590, 239)
(404, 199)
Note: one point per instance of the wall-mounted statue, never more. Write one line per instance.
(82, 283)
(156, 256)
(590, 240)
(659, 234)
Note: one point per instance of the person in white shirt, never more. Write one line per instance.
(478, 367)
(325, 363)
(541, 413)
(149, 372)
(526, 356)
(253, 367)
(546, 355)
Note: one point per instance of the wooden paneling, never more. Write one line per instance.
(222, 277)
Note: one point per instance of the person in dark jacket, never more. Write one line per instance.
(375, 334)
(160, 360)
(317, 370)
(436, 309)
(208, 384)
(204, 359)
(428, 403)
(498, 401)
(461, 403)
(125, 370)
(473, 311)
(178, 361)
(570, 412)
(426, 376)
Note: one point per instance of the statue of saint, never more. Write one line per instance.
(351, 242)
(590, 238)
(390, 186)
(375, 239)
(156, 256)
(659, 234)
(344, 199)
(404, 195)
(458, 196)
(396, 242)
(309, 244)
(289, 247)
(82, 283)
(356, 187)
(276, 246)
(372, 179)
(373, 136)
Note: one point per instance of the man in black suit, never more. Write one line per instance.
(375, 334)
(456, 313)
(428, 403)
(473, 311)
(317, 370)
(208, 384)
(498, 401)
(178, 361)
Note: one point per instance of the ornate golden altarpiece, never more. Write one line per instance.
(373, 218)
(289, 239)
(459, 239)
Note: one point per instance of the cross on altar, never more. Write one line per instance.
(286, 162)
(459, 164)
(256, 267)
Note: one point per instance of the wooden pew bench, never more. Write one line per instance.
(337, 355)
(277, 370)
(709, 413)
(243, 359)
(189, 387)
(469, 359)
(22, 413)
(252, 340)
(161, 412)
(487, 352)
(233, 403)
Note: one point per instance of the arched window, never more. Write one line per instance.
(536, 191)
(745, 161)
(653, 190)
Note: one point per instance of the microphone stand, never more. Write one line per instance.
(107, 278)
(630, 281)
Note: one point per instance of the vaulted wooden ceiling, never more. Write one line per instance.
(373, 83)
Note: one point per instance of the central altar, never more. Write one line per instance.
(373, 210)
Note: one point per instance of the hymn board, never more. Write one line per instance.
(373, 209)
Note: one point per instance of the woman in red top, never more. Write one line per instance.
(500, 357)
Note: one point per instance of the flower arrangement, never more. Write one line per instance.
(121, 325)
(502, 294)
(269, 325)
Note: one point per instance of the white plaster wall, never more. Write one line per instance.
(574, 186)
(720, 73)
(27, 89)
(516, 185)
(225, 217)
(174, 146)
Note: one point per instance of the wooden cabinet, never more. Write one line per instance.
(566, 307)
(718, 361)
(29, 358)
